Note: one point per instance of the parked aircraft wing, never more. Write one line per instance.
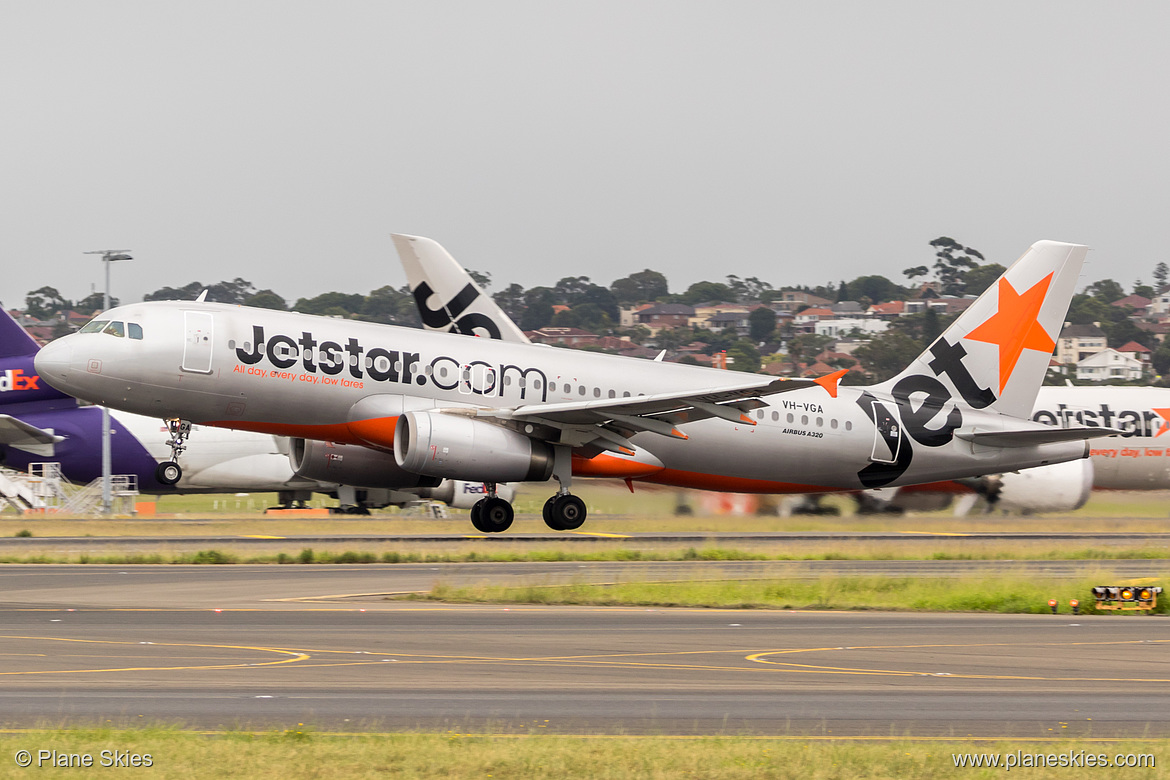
(19, 434)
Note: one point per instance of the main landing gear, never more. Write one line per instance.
(563, 511)
(492, 515)
(169, 472)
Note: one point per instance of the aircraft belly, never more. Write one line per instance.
(741, 458)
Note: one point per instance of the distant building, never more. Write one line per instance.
(1157, 330)
(1139, 303)
(846, 308)
(1160, 306)
(572, 337)
(738, 320)
(628, 317)
(888, 310)
(791, 300)
(1109, 364)
(1136, 351)
(662, 316)
(945, 305)
(1078, 342)
(834, 328)
(813, 315)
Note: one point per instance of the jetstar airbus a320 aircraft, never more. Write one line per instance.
(407, 406)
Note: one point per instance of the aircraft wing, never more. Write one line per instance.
(608, 421)
(19, 434)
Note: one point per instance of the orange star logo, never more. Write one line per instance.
(1014, 327)
(1165, 424)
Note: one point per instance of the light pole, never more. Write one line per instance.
(108, 256)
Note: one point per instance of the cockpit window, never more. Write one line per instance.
(94, 326)
(115, 328)
(135, 330)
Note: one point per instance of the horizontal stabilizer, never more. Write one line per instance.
(1034, 438)
(19, 434)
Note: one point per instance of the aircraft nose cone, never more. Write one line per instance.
(54, 362)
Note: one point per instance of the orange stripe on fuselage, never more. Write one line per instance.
(726, 484)
(378, 431)
(605, 465)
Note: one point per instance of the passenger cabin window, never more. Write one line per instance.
(94, 326)
(115, 328)
(135, 330)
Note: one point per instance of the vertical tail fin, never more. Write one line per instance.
(448, 299)
(996, 353)
(14, 340)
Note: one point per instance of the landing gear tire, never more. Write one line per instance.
(168, 472)
(492, 515)
(564, 512)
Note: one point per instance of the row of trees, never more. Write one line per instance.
(956, 270)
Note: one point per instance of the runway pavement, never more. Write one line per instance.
(273, 646)
(13, 545)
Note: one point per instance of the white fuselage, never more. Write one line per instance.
(334, 380)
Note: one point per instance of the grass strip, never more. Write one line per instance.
(611, 554)
(302, 753)
(1011, 594)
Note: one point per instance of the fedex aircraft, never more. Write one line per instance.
(39, 423)
(450, 301)
(411, 406)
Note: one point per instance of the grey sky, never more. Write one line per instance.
(797, 142)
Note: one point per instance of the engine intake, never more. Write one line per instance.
(456, 447)
(352, 464)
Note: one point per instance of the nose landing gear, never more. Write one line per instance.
(492, 515)
(169, 472)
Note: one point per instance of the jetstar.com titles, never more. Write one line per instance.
(1135, 422)
(330, 363)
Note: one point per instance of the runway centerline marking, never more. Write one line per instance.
(821, 669)
(296, 656)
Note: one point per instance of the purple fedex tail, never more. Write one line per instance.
(14, 341)
(19, 382)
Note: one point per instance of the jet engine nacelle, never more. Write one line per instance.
(460, 494)
(457, 447)
(1060, 487)
(351, 464)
